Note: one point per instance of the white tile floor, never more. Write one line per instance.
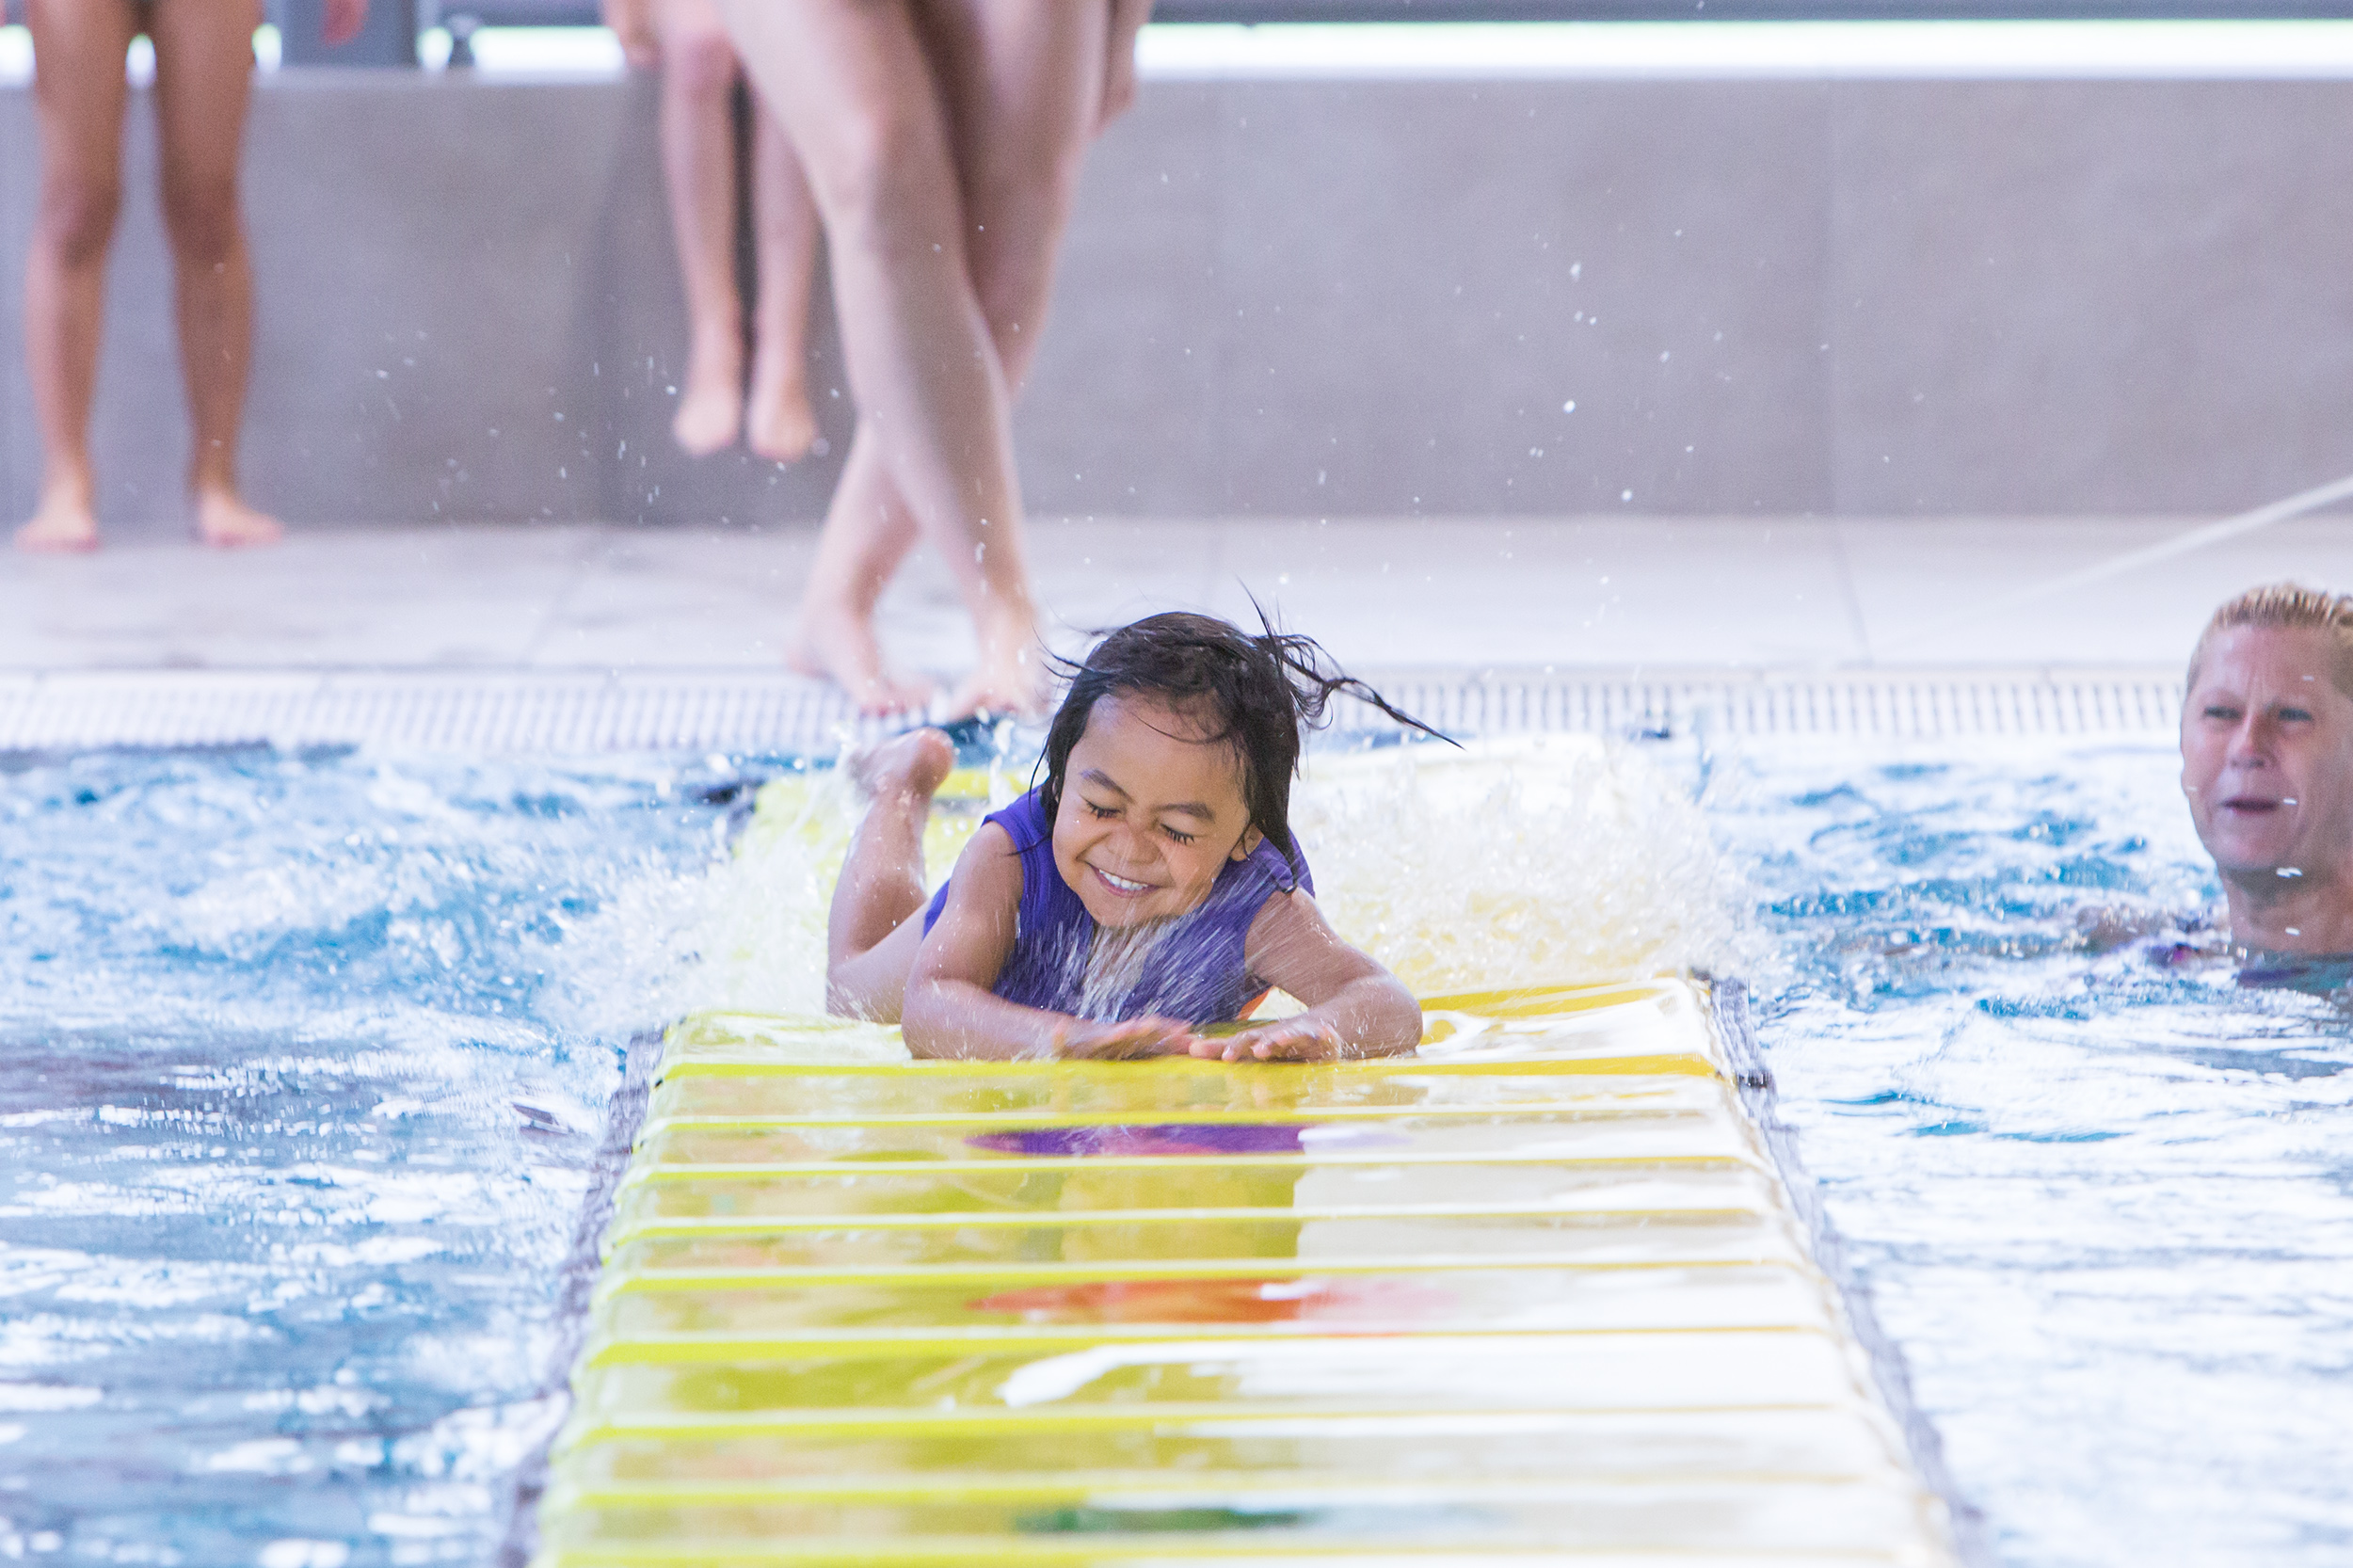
(1451, 592)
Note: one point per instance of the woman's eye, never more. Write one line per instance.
(2295, 715)
(2217, 711)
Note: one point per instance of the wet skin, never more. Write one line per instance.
(2267, 771)
(1150, 813)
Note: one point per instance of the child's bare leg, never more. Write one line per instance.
(778, 424)
(203, 76)
(78, 96)
(871, 932)
(699, 72)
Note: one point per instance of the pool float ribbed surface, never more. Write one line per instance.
(1533, 1293)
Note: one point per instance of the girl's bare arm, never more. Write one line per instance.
(952, 1011)
(1354, 1006)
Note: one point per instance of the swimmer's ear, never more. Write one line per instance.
(1251, 839)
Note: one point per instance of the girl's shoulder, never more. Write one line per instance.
(990, 867)
(1023, 822)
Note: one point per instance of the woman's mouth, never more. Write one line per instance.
(2250, 803)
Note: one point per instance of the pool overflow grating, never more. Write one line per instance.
(571, 713)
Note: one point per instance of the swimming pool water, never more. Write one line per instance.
(303, 1065)
(2106, 1207)
(305, 1060)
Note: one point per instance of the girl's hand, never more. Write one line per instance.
(1304, 1039)
(1129, 1040)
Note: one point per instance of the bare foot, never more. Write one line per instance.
(777, 424)
(64, 522)
(1010, 676)
(224, 521)
(711, 411)
(838, 645)
(907, 768)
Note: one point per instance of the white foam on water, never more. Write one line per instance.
(1541, 858)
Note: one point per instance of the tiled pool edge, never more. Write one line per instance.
(588, 711)
(1752, 1077)
(641, 1063)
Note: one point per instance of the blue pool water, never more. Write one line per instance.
(303, 1064)
(2105, 1206)
(305, 1060)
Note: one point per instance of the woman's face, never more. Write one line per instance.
(2268, 754)
(1150, 813)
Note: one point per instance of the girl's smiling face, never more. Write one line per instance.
(1150, 813)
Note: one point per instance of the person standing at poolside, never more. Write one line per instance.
(942, 139)
(2268, 765)
(203, 75)
(699, 71)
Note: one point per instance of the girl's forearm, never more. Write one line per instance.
(1373, 1016)
(956, 1019)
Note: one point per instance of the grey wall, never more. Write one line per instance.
(1331, 299)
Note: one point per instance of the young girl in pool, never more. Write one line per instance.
(1149, 886)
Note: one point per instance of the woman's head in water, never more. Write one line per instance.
(2267, 744)
(1173, 753)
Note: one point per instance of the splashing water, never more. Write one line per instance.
(303, 1070)
(1550, 858)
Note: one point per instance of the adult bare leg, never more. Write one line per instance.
(1022, 82)
(78, 94)
(698, 74)
(850, 80)
(203, 75)
(868, 533)
(778, 424)
(870, 931)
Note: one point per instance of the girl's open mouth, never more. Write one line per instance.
(1124, 886)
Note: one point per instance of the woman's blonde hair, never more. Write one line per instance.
(2289, 606)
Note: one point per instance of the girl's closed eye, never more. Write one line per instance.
(1102, 813)
(1177, 835)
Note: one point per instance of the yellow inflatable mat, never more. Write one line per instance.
(1531, 1294)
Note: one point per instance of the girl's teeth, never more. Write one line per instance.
(1119, 881)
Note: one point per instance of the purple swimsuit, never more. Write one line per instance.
(1195, 971)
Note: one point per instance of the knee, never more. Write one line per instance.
(202, 218)
(881, 179)
(78, 219)
(700, 61)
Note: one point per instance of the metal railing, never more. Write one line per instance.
(393, 26)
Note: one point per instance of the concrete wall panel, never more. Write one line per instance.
(2102, 297)
(1324, 298)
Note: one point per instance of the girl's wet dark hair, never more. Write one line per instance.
(1258, 695)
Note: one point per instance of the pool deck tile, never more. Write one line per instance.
(1452, 593)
